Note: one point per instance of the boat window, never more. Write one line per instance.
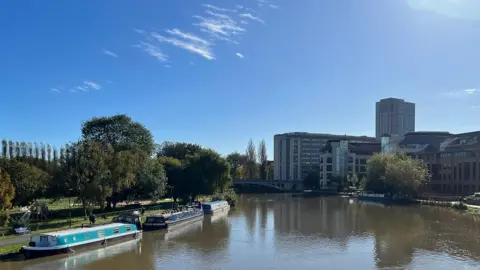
(116, 230)
(159, 220)
(43, 238)
(128, 228)
(86, 236)
(74, 238)
(149, 220)
(101, 234)
(66, 239)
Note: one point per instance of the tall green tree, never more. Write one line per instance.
(396, 174)
(178, 150)
(7, 190)
(263, 160)
(176, 180)
(151, 179)
(29, 182)
(119, 131)
(251, 166)
(132, 145)
(90, 177)
(4, 148)
(236, 161)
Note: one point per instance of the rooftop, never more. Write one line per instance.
(83, 230)
(325, 135)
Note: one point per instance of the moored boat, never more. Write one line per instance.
(173, 219)
(51, 243)
(215, 206)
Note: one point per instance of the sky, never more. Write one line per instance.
(220, 72)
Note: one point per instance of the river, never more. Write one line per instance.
(281, 232)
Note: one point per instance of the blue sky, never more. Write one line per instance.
(221, 72)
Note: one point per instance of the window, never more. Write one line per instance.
(86, 236)
(116, 230)
(101, 234)
(74, 238)
(128, 228)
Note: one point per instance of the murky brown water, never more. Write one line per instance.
(280, 232)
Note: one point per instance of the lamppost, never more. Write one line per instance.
(69, 207)
(171, 193)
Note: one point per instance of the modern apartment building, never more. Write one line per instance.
(394, 117)
(298, 153)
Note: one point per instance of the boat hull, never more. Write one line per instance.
(217, 210)
(30, 253)
(172, 225)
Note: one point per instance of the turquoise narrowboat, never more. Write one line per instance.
(215, 206)
(173, 219)
(63, 241)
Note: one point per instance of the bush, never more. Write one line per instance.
(229, 195)
(460, 206)
(3, 218)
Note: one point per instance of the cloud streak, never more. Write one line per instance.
(55, 90)
(465, 9)
(152, 50)
(461, 93)
(188, 42)
(240, 55)
(110, 53)
(251, 17)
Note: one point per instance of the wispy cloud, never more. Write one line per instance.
(240, 55)
(215, 25)
(470, 91)
(92, 84)
(152, 50)
(168, 66)
(110, 53)
(55, 90)
(212, 7)
(461, 9)
(461, 93)
(251, 17)
(186, 41)
(219, 26)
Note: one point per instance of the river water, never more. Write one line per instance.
(281, 232)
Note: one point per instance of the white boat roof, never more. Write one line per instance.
(83, 230)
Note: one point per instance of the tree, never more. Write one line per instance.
(262, 159)
(270, 171)
(90, 176)
(119, 131)
(175, 176)
(152, 179)
(4, 149)
(312, 180)
(7, 191)
(131, 142)
(29, 182)
(396, 174)
(236, 161)
(251, 165)
(178, 150)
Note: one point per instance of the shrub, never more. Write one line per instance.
(3, 218)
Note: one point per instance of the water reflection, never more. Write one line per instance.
(281, 232)
(80, 259)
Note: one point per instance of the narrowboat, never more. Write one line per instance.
(51, 243)
(215, 206)
(173, 219)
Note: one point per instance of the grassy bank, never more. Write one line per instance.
(12, 249)
(60, 213)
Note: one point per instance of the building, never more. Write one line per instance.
(394, 117)
(298, 153)
(452, 159)
(345, 158)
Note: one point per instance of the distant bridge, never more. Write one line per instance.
(281, 185)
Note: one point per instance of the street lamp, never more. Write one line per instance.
(171, 193)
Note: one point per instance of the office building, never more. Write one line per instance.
(298, 153)
(452, 159)
(342, 158)
(394, 117)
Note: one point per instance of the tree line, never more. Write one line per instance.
(115, 160)
(252, 164)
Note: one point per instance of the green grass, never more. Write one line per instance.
(11, 249)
